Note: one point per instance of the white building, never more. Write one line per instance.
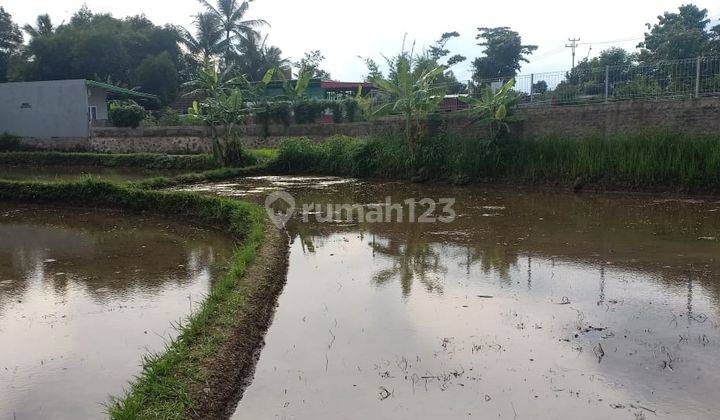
(57, 108)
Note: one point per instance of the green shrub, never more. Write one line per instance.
(352, 109)
(126, 114)
(171, 118)
(10, 143)
(308, 112)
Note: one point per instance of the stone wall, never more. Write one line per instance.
(695, 115)
(700, 115)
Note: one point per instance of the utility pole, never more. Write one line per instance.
(573, 45)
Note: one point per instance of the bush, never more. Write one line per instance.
(10, 143)
(308, 112)
(126, 114)
(352, 109)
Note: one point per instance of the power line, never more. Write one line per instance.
(573, 45)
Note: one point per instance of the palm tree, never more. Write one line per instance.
(255, 58)
(43, 27)
(208, 41)
(230, 14)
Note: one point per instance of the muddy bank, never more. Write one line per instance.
(230, 370)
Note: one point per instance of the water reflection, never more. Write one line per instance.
(84, 295)
(600, 306)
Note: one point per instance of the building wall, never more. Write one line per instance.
(98, 98)
(44, 109)
(698, 116)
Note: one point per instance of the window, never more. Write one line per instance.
(92, 113)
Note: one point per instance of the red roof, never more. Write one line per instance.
(332, 84)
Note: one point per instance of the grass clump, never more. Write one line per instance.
(163, 389)
(661, 159)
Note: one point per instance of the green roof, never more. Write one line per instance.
(119, 90)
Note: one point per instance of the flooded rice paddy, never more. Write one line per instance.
(84, 294)
(529, 304)
(73, 173)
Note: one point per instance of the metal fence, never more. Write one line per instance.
(690, 78)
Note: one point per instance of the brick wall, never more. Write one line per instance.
(701, 115)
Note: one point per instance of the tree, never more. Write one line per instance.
(540, 87)
(224, 110)
(10, 41)
(680, 35)
(208, 41)
(230, 14)
(100, 47)
(373, 68)
(504, 53)
(255, 58)
(311, 61)
(413, 92)
(43, 27)
(439, 50)
(158, 75)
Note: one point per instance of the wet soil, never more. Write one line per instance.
(228, 372)
(540, 304)
(84, 295)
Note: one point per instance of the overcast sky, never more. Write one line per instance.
(346, 29)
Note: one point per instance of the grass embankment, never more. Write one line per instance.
(651, 161)
(130, 160)
(200, 372)
(126, 160)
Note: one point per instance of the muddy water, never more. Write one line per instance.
(71, 173)
(542, 305)
(84, 295)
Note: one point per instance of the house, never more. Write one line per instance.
(316, 89)
(58, 108)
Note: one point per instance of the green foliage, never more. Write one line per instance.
(504, 53)
(126, 114)
(230, 18)
(224, 110)
(273, 113)
(101, 47)
(159, 76)
(681, 35)
(352, 109)
(10, 36)
(310, 63)
(412, 91)
(308, 111)
(171, 118)
(492, 109)
(10, 143)
(162, 389)
(650, 160)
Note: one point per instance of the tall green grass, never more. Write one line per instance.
(636, 161)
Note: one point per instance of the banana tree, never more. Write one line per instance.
(223, 108)
(412, 93)
(492, 109)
